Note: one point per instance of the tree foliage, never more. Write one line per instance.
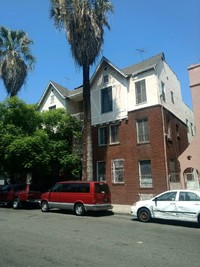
(41, 143)
(15, 59)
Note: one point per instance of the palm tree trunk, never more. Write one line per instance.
(87, 164)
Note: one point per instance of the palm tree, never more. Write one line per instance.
(83, 21)
(15, 59)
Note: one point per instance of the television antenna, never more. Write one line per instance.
(141, 51)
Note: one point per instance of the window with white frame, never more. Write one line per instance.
(114, 134)
(103, 136)
(117, 169)
(52, 99)
(106, 100)
(142, 131)
(101, 171)
(145, 173)
(163, 91)
(140, 92)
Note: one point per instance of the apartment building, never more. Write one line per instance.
(140, 126)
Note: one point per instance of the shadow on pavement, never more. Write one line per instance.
(171, 222)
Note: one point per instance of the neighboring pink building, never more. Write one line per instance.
(190, 158)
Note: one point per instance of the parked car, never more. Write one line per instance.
(16, 195)
(78, 196)
(183, 205)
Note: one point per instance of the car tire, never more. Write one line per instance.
(79, 209)
(44, 206)
(16, 204)
(144, 215)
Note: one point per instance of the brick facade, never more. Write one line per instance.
(159, 150)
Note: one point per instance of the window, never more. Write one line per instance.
(140, 92)
(172, 97)
(191, 128)
(114, 134)
(169, 135)
(169, 196)
(52, 99)
(117, 169)
(163, 91)
(106, 100)
(101, 171)
(187, 123)
(76, 187)
(145, 173)
(103, 136)
(142, 131)
(52, 107)
(105, 78)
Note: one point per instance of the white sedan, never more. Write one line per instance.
(183, 205)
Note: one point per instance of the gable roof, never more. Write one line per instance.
(64, 92)
(133, 69)
(144, 65)
(75, 94)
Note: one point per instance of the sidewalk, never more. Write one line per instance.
(121, 209)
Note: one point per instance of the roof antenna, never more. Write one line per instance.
(141, 51)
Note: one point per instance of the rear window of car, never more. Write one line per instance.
(102, 188)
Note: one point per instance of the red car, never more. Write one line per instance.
(16, 195)
(79, 196)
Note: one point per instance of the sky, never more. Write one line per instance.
(153, 26)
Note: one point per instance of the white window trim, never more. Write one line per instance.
(146, 134)
(142, 184)
(144, 94)
(114, 171)
(99, 139)
(110, 139)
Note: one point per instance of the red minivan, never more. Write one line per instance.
(79, 196)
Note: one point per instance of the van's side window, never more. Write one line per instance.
(76, 187)
(57, 188)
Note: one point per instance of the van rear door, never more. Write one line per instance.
(102, 193)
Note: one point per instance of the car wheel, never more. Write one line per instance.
(16, 204)
(79, 209)
(144, 215)
(44, 206)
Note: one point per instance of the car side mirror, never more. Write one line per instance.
(156, 199)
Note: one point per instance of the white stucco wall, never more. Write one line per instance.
(119, 92)
(123, 92)
(59, 101)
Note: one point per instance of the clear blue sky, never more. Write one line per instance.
(169, 26)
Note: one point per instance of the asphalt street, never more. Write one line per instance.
(59, 238)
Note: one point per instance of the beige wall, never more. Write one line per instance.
(190, 157)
